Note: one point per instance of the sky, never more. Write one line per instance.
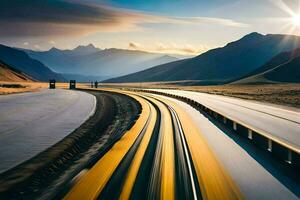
(187, 27)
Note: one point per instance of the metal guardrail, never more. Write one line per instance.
(278, 147)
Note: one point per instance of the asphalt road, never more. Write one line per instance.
(171, 152)
(32, 122)
(174, 152)
(158, 158)
(283, 124)
(253, 180)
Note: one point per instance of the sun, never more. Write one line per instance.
(296, 20)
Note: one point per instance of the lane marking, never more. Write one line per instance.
(214, 180)
(186, 153)
(256, 110)
(276, 138)
(137, 160)
(165, 154)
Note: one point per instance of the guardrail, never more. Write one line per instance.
(281, 149)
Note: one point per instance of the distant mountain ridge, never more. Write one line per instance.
(21, 61)
(91, 61)
(219, 65)
(79, 50)
(282, 68)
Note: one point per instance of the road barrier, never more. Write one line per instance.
(281, 149)
(52, 84)
(72, 85)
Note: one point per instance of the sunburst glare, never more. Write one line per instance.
(296, 20)
(293, 12)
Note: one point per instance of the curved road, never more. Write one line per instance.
(171, 152)
(32, 122)
(174, 152)
(158, 158)
(282, 124)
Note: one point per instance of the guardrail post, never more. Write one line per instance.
(269, 145)
(289, 158)
(234, 126)
(250, 135)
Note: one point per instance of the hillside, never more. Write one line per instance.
(219, 65)
(283, 68)
(21, 61)
(92, 61)
(10, 74)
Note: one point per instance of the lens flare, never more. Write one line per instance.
(296, 20)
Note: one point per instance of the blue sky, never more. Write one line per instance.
(171, 7)
(167, 26)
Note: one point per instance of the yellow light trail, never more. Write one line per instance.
(137, 160)
(167, 153)
(92, 183)
(214, 180)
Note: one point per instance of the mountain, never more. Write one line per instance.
(282, 68)
(91, 61)
(8, 73)
(55, 52)
(219, 65)
(21, 61)
(83, 50)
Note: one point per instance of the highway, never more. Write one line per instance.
(32, 122)
(175, 152)
(279, 123)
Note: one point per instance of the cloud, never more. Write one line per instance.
(181, 48)
(34, 18)
(134, 45)
(37, 47)
(42, 18)
(199, 21)
(26, 43)
(171, 48)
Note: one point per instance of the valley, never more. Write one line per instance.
(154, 100)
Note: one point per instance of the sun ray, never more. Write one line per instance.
(280, 4)
(292, 21)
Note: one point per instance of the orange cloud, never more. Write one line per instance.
(170, 48)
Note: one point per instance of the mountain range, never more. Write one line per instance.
(220, 65)
(284, 67)
(19, 60)
(255, 58)
(99, 63)
(8, 73)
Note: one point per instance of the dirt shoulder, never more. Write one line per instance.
(48, 174)
(20, 87)
(11, 88)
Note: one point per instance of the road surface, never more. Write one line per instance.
(174, 152)
(32, 122)
(282, 124)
